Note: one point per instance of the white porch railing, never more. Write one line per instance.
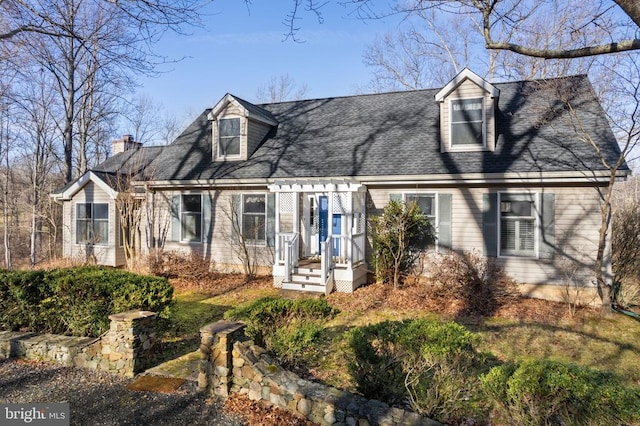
(357, 248)
(348, 251)
(326, 265)
(283, 239)
(289, 246)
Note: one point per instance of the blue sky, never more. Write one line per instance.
(241, 49)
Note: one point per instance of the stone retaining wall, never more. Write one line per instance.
(122, 350)
(230, 364)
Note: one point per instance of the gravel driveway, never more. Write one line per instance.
(98, 398)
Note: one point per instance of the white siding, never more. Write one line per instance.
(103, 255)
(577, 220)
(221, 251)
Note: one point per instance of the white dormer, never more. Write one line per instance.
(467, 113)
(238, 127)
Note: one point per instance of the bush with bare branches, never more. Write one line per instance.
(626, 252)
(173, 264)
(477, 281)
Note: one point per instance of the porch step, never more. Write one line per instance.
(305, 278)
(299, 277)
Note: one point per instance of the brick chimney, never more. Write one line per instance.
(124, 144)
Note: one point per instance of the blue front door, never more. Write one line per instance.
(323, 225)
(323, 220)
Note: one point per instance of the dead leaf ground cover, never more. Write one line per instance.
(521, 328)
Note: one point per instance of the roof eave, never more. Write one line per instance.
(230, 99)
(80, 183)
(431, 179)
(467, 74)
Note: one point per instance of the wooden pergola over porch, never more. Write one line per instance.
(323, 222)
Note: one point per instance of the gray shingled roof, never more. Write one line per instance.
(398, 134)
(128, 164)
(255, 109)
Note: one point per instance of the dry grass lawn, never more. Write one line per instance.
(520, 329)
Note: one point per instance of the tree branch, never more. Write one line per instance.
(631, 8)
(622, 46)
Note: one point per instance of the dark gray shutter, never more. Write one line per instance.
(236, 216)
(395, 197)
(547, 228)
(175, 218)
(490, 224)
(207, 229)
(444, 222)
(271, 220)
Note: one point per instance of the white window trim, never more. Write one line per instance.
(436, 208)
(537, 200)
(182, 239)
(241, 142)
(256, 243)
(468, 148)
(75, 230)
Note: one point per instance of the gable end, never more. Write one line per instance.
(238, 128)
(467, 114)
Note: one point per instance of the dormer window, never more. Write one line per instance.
(228, 137)
(467, 114)
(238, 128)
(467, 123)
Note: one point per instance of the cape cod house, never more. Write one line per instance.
(502, 169)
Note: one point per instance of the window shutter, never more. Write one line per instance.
(395, 197)
(444, 222)
(490, 224)
(175, 218)
(547, 228)
(236, 203)
(271, 220)
(207, 229)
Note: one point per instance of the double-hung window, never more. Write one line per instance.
(254, 217)
(517, 225)
(437, 208)
(426, 203)
(191, 217)
(467, 122)
(228, 137)
(92, 223)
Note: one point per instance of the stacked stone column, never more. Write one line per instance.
(216, 347)
(131, 336)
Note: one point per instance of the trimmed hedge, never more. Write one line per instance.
(286, 327)
(424, 362)
(77, 301)
(543, 392)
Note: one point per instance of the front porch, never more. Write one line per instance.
(320, 231)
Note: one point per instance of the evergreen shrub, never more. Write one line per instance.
(544, 392)
(285, 327)
(77, 301)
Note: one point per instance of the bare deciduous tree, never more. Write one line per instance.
(36, 120)
(625, 122)
(430, 47)
(280, 89)
(150, 17)
(149, 122)
(508, 25)
(131, 202)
